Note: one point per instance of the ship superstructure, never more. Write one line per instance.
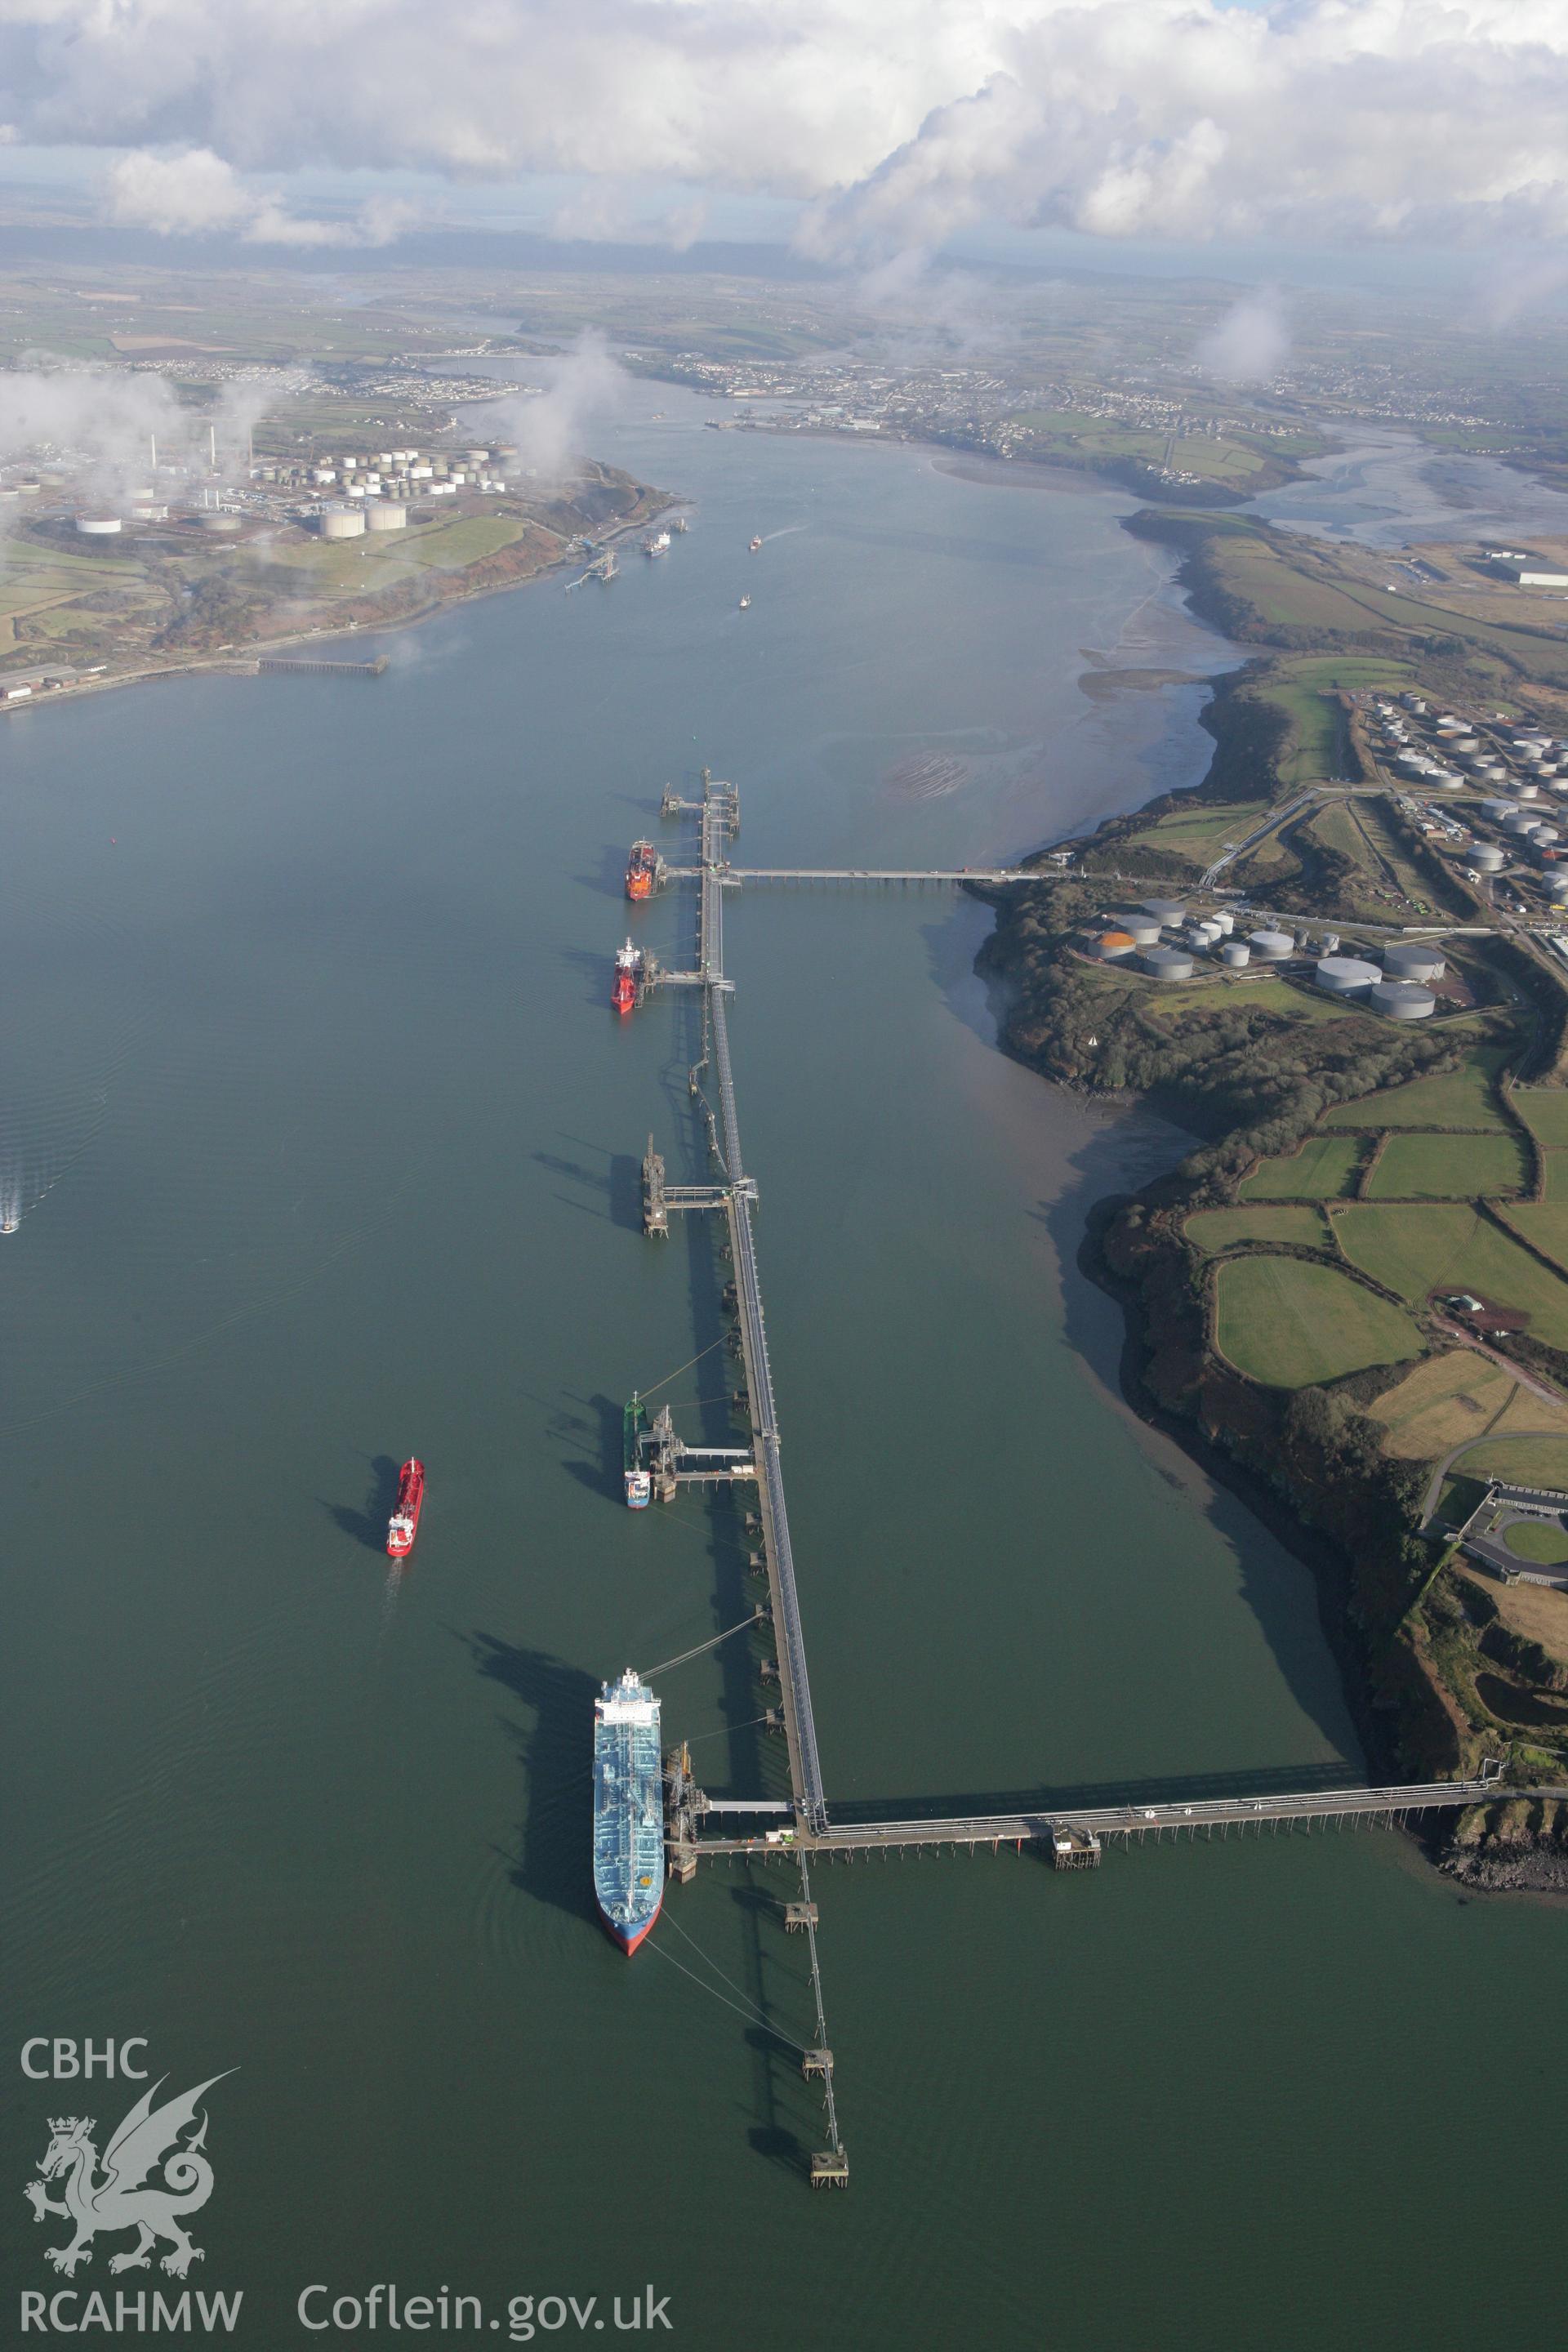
(628, 1820)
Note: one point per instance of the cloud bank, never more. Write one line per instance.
(196, 193)
(898, 121)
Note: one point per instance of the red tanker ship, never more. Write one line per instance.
(628, 978)
(403, 1524)
(642, 870)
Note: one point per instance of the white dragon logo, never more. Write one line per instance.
(124, 2198)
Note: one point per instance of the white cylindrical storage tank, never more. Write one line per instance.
(1463, 742)
(1529, 792)
(1402, 999)
(1226, 922)
(1543, 834)
(1271, 947)
(1448, 780)
(1557, 883)
(381, 517)
(1521, 825)
(1167, 963)
(342, 522)
(1410, 763)
(1165, 911)
(1345, 975)
(1142, 932)
(1413, 963)
(1114, 945)
(98, 526)
(1496, 810)
(1207, 931)
(1236, 953)
(1486, 857)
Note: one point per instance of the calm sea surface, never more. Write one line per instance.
(326, 1139)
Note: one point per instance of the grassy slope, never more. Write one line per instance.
(1286, 1322)
(1449, 1167)
(1217, 1229)
(1324, 1169)
(1417, 1249)
(1463, 1098)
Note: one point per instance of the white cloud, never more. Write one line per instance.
(196, 193)
(602, 212)
(552, 428)
(897, 120)
(1248, 343)
(109, 417)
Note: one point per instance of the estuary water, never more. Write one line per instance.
(326, 1142)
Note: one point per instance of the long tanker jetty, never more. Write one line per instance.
(802, 1830)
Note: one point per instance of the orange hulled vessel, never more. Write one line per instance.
(642, 870)
(403, 1524)
(628, 978)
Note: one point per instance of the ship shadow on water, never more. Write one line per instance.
(596, 1421)
(555, 1752)
(612, 1191)
(368, 1527)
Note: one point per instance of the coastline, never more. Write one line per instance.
(236, 663)
(1348, 1515)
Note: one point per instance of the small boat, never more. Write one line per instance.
(658, 543)
(681, 524)
(746, 604)
(639, 1485)
(756, 545)
(403, 1524)
(627, 982)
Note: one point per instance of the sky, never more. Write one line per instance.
(858, 132)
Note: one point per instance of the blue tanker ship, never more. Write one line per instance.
(628, 1824)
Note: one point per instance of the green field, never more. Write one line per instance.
(1449, 1167)
(1217, 1229)
(466, 541)
(1462, 1098)
(1418, 1250)
(1523, 1460)
(1316, 750)
(1544, 1224)
(1540, 1541)
(1325, 1168)
(1556, 1174)
(1286, 1322)
(1544, 1111)
(1200, 834)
